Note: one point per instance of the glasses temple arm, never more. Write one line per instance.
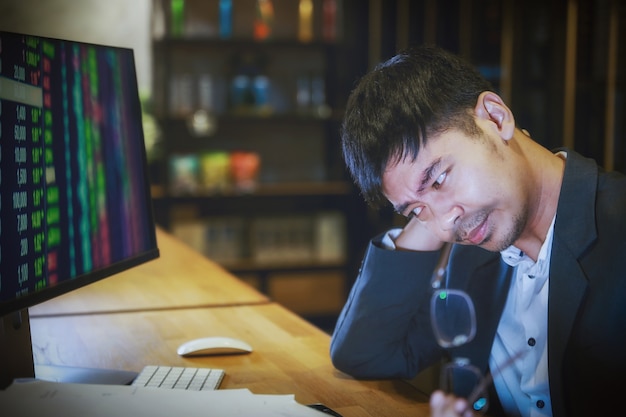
(488, 379)
(442, 265)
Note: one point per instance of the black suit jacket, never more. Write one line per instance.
(384, 329)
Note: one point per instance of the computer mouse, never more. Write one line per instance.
(213, 346)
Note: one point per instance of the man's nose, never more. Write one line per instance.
(447, 220)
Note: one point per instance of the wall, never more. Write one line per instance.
(124, 23)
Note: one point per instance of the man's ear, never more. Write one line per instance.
(490, 107)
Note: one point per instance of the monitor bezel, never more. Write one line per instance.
(16, 353)
(34, 298)
(31, 299)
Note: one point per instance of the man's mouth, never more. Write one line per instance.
(478, 234)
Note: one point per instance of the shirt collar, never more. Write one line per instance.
(514, 256)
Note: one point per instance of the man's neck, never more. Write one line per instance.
(548, 173)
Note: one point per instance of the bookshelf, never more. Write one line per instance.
(291, 223)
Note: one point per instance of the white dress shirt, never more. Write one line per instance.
(523, 388)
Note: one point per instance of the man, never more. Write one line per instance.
(539, 243)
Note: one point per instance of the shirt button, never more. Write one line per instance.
(540, 404)
(532, 341)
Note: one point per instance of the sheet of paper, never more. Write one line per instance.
(53, 399)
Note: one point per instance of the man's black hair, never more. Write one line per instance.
(402, 102)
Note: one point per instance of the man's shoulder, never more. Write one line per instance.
(590, 215)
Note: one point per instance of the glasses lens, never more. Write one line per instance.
(461, 379)
(453, 317)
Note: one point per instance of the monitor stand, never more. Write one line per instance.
(16, 359)
(16, 352)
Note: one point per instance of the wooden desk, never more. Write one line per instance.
(141, 316)
(290, 355)
(179, 278)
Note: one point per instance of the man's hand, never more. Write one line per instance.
(443, 405)
(416, 236)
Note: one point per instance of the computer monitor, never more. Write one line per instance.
(75, 202)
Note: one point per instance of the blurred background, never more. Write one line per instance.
(243, 102)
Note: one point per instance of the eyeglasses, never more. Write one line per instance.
(453, 319)
(452, 311)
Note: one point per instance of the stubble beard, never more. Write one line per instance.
(514, 233)
(490, 243)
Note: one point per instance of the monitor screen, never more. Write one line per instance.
(75, 201)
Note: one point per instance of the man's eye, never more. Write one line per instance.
(439, 181)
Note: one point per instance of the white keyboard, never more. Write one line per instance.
(173, 377)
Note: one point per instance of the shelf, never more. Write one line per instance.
(248, 266)
(283, 100)
(242, 43)
(259, 116)
(282, 189)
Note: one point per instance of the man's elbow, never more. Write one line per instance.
(343, 359)
(351, 368)
(349, 362)
(367, 364)
(340, 360)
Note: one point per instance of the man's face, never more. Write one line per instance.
(468, 190)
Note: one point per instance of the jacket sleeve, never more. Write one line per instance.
(384, 328)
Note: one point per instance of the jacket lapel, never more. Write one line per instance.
(567, 288)
(574, 232)
(488, 288)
